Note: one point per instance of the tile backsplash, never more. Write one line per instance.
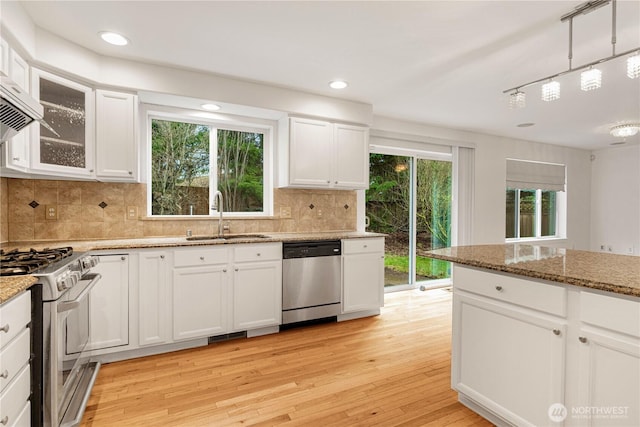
(33, 209)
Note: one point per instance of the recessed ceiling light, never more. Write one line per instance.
(210, 107)
(114, 38)
(525, 125)
(338, 84)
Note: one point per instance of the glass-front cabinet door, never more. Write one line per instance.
(66, 145)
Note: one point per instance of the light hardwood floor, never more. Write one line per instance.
(388, 370)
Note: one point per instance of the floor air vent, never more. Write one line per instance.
(227, 337)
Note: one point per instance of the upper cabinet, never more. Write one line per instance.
(15, 153)
(67, 148)
(325, 155)
(116, 148)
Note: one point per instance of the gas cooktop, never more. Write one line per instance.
(16, 262)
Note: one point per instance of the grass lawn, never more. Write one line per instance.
(426, 267)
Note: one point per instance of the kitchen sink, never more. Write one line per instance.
(230, 237)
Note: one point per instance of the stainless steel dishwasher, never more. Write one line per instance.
(311, 277)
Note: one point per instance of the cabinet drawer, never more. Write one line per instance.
(200, 256)
(24, 417)
(258, 252)
(14, 357)
(361, 246)
(617, 314)
(14, 397)
(528, 293)
(14, 316)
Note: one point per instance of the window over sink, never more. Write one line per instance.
(190, 158)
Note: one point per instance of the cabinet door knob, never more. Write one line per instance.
(130, 172)
(4, 421)
(161, 256)
(328, 182)
(201, 258)
(91, 170)
(4, 374)
(5, 328)
(258, 254)
(499, 288)
(16, 158)
(556, 331)
(224, 270)
(582, 339)
(123, 258)
(236, 269)
(336, 182)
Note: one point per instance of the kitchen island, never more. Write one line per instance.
(546, 336)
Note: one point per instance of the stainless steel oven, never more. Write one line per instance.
(62, 374)
(68, 374)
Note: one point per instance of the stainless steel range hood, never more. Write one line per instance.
(17, 109)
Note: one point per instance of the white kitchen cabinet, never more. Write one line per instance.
(109, 304)
(553, 343)
(257, 286)
(362, 274)
(15, 155)
(116, 130)
(503, 354)
(200, 292)
(15, 380)
(4, 57)
(69, 110)
(327, 155)
(154, 296)
(608, 342)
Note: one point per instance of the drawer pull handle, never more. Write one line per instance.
(161, 256)
(4, 374)
(123, 258)
(499, 288)
(258, 253)
(5, 328)
(4, 421)
(224, 270)
(556, 331)
(582, 339)
(201, 258)
(237, 269)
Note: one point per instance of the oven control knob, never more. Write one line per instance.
(74, 278)
(62, 282)
(89, 261)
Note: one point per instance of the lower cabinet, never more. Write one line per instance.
(109, 304)
(532, 353)
(154, 296)
(507, 354)
(362, 274)
(257, 286)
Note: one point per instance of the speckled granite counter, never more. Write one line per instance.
(12, 286)
(169, 242)
(595, 270)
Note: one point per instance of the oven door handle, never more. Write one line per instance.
(70, 305)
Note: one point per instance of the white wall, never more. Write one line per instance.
(490, 171)
(615, 200)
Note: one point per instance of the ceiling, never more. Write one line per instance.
(442, 63)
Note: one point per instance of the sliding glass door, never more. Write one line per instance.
(409, 199)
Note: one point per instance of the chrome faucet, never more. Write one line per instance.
(218, 204)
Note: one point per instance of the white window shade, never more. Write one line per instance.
(527, 175)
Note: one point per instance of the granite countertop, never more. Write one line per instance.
(13, 285)
(173, 242)
(595, 270)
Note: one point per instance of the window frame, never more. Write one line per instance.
(560, 213)
(215, 122)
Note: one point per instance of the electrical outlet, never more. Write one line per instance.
(132, 212)
(51, 212)
(285, 211)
